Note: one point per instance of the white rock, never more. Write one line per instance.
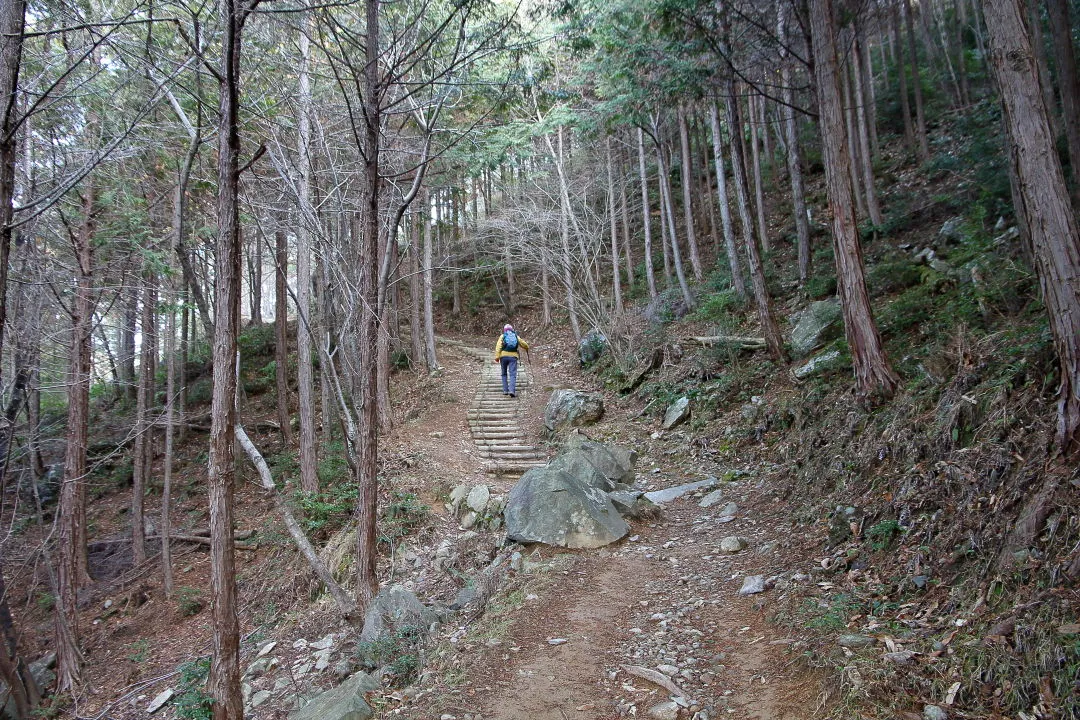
(669, 670)
(557, 641)
(752, 585)
(267, 648)
(260, 697)
(159, 701)
(664, 711)
(733, 544)
(323, 644)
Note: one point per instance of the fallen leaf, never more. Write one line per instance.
(950, 696)
(1069, 629)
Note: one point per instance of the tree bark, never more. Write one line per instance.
(22, 687)
(862, 124)
(255, 278)
(305, 385)
(901, 71)
(144, 398)
(873, 374)
(366, 469)
(1055, 237)
(920, 117)
(755, 155)
(429, 289)
(224, 681)
(769, 328)
(794, 152)
(415, 298)
(616, 279)
(669, 214)
(170, 422)
(725, 207)
(625, 208)
(1068, 85)
(646, 215)
(281, 334)
(126, 347)
(564, 221)
(687, 175)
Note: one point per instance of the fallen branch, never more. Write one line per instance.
(346, 605)
(655, 678)
(745, 343)
(240, 545)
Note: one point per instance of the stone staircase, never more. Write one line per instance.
(494, 420)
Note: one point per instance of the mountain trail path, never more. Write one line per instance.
(653, 626)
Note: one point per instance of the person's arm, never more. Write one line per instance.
(523, 344)
(498, 348)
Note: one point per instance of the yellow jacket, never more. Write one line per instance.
(499, 352)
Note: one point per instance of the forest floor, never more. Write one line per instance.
(570, 641)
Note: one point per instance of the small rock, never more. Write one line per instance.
(516, 562)
(752, 585)
(303, 669)
(557, 641)
(281, 684)
(729, 510)
(664, 711)
(669, 670)
(159, 701)
(300, 644)
(323, 644)
(919, 581)
(108, 603)
(266, 649)
(900, 657)
(677, 413)
(712, 498)
(933, 712)
(854, 641)
(733, 544)
(258, 667)
(260, 697)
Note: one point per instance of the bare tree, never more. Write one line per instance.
(309, 479)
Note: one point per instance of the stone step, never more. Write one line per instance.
(509, 447)
(510, 456)
(488, 436)
(510, 470)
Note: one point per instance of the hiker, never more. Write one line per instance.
(506, 354)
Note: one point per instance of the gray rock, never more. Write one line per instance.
(668, 494)
(668, 710)
(817, 324)
(712, 498)
(457, 496)
(159, 701)
(732, 544)
(43, 675)
(816, 363)
(260, 697)
(477, 499)
(678, 412)
(572, 408)
(633, 504)
(854, 641)
(614, 462)
(728, 512)
(934, 712)
(258, 667)
(551, 506)
(752, 585)
(576, 464)
(394, 608)
(345, 702)
(464, 596)
(952, 230)
(516, 562)
(324, 643)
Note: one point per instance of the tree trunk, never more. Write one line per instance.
(687, 175)
(873, 375)
(545, 285)
(794, 152)
(616, 279)
(625, 208)
(646, 215)
(72, 570)
(668, 214)
(1038, 44)
(901, 71)
(1068, 85)
(255, 278)
(144, 398)
(862, 135)
(759, 195)
(366, 469)
(170, 422)
(564, 221)
(429, 289)
(866, 89)
(22, 688)
(1053, 228)
(769, 328)
(920, 117)
(415, 299)
(725, 207)
(224, 681)
(305, 371)
(281, 334)
(852, 135)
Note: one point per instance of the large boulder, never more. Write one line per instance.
(345, 702)
(817, 324)
(41, 671)
(615, 463)
(572, 408)
(392, 609)
(550, 505)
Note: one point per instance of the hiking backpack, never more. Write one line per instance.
(510, 341)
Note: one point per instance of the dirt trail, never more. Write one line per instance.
(665, 598)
